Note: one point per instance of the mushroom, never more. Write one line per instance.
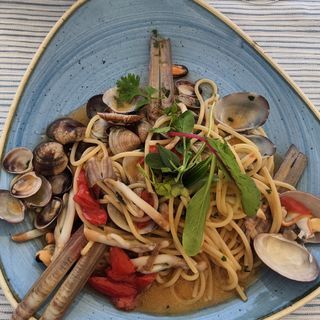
(286, 257)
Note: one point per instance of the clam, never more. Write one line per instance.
(118, 219)
(143, 129)
(122, 139)
(119, 118)
(100, 130)
(49, 158)
(307, 223)
(61, 182)
(11, 209)
(242, 111)
(179, 70)
(26, 185)
(186, 93)
(286, 257)
(94, 105)
(266, 147)
(110, 99)
(18, 160)
(130, 168)
(48, 214)
(42, 197)
(66, 130)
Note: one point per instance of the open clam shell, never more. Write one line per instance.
(131, 170)
(61, 182)
(286, 257)
(11, 209)
(25, 185)
(48, 214)
(312, 203)
(18, 160)
(94, 105)
(266, 147)
(42, 197)
(242, 111)
(110, 99)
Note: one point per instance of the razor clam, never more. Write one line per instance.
(11, 209)
(61, 182)
(119, 220)
(48, 214)
(286, 257)
(42, 197)
(110, 99)
(309, 225)
(49, 158)
(179, 70)
(266, 147)
(119, 118)
(130, 168)
(66, 130)
(122, 139)
(26, 185)
(18, 160)
(94, 105)
(242, 111)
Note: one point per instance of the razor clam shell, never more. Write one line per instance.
(122, 139)
(18, 160)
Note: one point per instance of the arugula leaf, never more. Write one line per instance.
(250, 195)
(169, 158)
(196, 214)
(196, 173)
(185, 122)
(161, 130)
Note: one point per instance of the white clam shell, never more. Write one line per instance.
(18, 160)
(26, 185)
(110, 99)
(286, 257)
(11, 209)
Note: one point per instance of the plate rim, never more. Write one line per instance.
(210, 8)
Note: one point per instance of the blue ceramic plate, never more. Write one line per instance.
(103, 40)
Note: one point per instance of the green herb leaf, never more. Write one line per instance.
(250, 195)
(153, 160)
(196, 214)
(196, 173)
(185, 122)
(169, 158)
(141, 102)
(128, 88)
(161, 130)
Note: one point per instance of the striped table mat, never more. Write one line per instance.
(288, 30)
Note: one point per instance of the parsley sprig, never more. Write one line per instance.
(128, 88)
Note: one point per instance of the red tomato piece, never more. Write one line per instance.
(147, 197)
(120, 262)
(144, 280)
(111, 288)
(120, 277)
(292, 205)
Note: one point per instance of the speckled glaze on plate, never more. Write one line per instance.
(100, 41)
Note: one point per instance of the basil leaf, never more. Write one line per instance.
(185, 122)
(153, 160)
(161, 130)
(168, 158)
(250, 195)
(196, 173)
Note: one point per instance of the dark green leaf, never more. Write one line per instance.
(150, 91)
(173, 109)
(141, 102)
(180, 146)
(196, 173)
(128, 88)
(250, 195)
(170, 159)
(185, 122)
(153, 160)
(195, 220)
(161, 130)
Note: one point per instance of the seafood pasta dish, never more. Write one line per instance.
(176, 183)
